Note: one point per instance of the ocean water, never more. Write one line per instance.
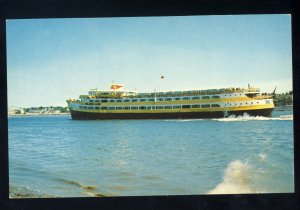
(54, 156)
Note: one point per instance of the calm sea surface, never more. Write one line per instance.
(57, 156)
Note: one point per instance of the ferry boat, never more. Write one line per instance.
(193, 104)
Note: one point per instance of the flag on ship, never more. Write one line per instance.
(116, 86)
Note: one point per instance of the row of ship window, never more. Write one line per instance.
(162, 107)
(152, 99)
(150, 107)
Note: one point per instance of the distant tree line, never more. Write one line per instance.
(283, 99)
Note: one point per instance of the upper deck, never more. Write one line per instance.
(95, 93)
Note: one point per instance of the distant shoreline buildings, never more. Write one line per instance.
(41, 110)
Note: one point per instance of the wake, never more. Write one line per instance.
(247, 117)
(233, 118)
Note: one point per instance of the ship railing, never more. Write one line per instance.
(72, 100)
(253, 89)
(192, 92)
(174, 93)
(263, 97)
(83, 96)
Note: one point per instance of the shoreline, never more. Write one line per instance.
(37, 114)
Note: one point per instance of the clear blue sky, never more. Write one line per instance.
(50, 60)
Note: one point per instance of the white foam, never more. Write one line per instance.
(262, 157)
(287, 117)
(234, 118)
(236, 179)
(247, 117)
